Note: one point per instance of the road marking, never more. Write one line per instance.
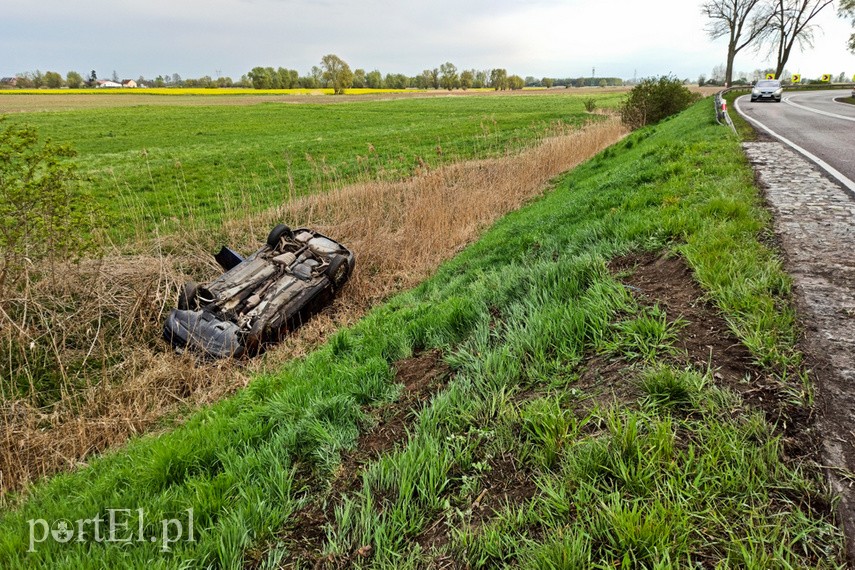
(789, 101)
(833, 172)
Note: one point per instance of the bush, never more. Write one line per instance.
(590, 104)
(45, 222)
(43, 213)
(654, 99)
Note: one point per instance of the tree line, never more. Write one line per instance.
(333, 72)
(776, 26)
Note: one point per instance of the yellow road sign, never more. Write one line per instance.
(826, 78)
(770, 76)
(797, 78)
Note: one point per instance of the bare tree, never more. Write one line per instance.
(791, 25)
(742, 22)
(847, 10)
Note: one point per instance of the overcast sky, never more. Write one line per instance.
(620, 38)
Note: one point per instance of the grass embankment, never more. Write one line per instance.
(678, 469)
(158, 169)
(79, 382)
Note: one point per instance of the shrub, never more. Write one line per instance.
(46, 220)
(43, 213)
(590, 104)
(655, 99)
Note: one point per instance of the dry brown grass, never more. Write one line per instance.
(399, 231)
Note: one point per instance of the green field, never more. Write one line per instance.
(160, 166)
(676, 468)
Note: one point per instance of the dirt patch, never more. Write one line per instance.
(708, 343)
(421, 376)
(509, 483)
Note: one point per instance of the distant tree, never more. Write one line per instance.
(742, 22)
(479, 78)
(374, 79)
(791, 25)
(467, 79)
(260, 78)
(73, 79)
(93, 77)
(115, 77)
(422, 80)
(359, 81)
(159, 81)
(547, 82)
(176, 80)
(24, 81)
(702, 80)
(532, 81)
(847, 10)
(434, 78)
(53, 80)
(37, 78)
(719, 74)
(499, 79)
(284, 78)
(337, 73)
(515, 82)
(317, 75)
(448, 75)
(396, 81)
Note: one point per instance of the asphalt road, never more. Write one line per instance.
(814, 122)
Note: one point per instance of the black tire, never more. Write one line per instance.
(188, 298)
(338, 271)
(277, 234)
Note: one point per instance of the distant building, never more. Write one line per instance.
(129, 83)
(106, 83)
(10, 81)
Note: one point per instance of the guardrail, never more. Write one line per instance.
(721, 115)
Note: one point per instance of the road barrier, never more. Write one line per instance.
(721, 115)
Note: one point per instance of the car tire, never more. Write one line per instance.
(188, 296)
(338, 271)
(277, 234)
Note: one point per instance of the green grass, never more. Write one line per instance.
(743, 128)
(685, 474)
(156, 167)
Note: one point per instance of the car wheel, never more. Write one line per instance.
(338, 271)
(188, 298)
(277, 234)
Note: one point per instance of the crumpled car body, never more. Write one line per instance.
(262, 298)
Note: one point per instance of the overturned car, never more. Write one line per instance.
(260, 299)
